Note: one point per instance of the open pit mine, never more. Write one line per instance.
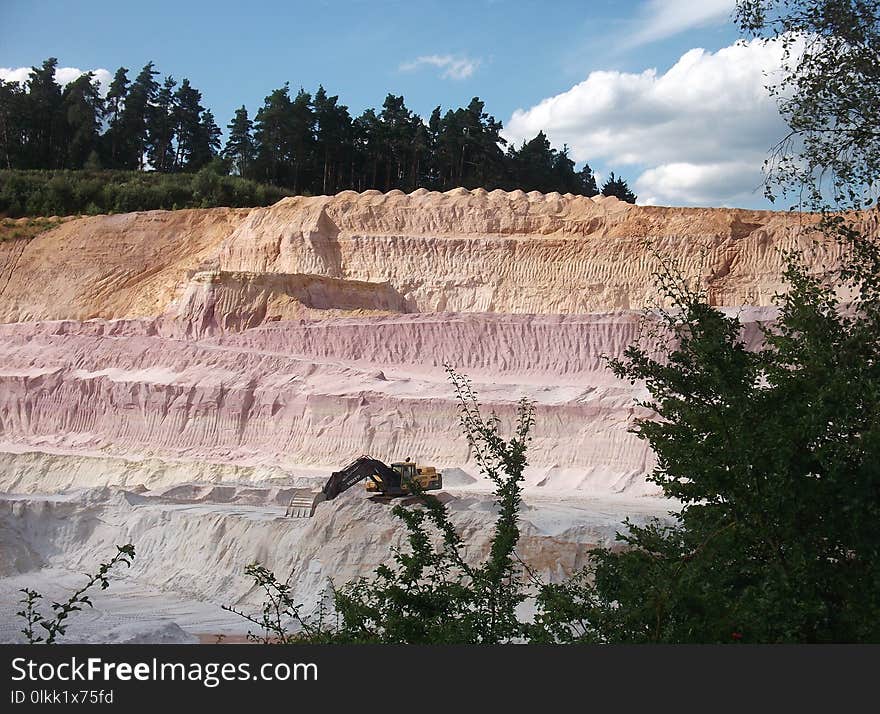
(170, 379)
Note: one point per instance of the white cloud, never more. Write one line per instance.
(63, 75)
(699, 133)
(454, 67)
(680, 182)
(19, 74)
(663, 18)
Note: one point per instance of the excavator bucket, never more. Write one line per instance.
(303, 503)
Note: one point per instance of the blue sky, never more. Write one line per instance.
(580, 70)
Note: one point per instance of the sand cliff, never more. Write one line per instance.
(317, 328)
(462, 251)
(261, 348)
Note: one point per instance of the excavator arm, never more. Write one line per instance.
(304, 501)
(359, 469)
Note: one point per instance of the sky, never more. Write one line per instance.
(658, 91)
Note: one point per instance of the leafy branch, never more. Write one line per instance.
(56, 625)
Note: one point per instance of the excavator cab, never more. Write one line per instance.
(407, 470)
(426, 477)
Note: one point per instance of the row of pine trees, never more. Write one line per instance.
(308, 143)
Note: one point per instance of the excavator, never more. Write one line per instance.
(382, 480)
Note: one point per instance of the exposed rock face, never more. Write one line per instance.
(240, 343)
(308, 392)
(317, 328)
(316, 393)
(218, 301)
(256, 349)
(108, 266)
(515, 252)
(200, 546)
(462, 251)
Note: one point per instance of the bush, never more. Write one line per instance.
(44, 193)
(51, 628)
(775, 457)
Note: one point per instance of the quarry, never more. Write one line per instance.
(169, 378)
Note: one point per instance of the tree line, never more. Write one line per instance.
(307, 143)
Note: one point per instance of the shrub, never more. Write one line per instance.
(775, 458)
(41, 193)
(56, 625)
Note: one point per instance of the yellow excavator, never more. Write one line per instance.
(382, 480)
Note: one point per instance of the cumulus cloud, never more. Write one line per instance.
(698, 133)
(452, 66)
(726, 182)
(63, 75)
(664, 18)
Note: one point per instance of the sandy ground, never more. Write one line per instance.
(175, 589)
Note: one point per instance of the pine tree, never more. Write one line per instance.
(83, 109)
(45, 118)
(333, 137)
(309, 144)
(160, 128)
(534, 165)
(450, 149)
(273, 138)
(368, 148)
(135, 116)
(302, 139)
(187, 126)
(397, 136)
(113, 106)
(616, 186)
(483, 156)
(207, 146)
(567, 181)
(13, 124)
(240, 149)
(418, 154)
(433, 177)
(587, 181)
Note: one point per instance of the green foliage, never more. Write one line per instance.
(161, 151)
(134, 120)
(240, 149)
(309, 143)
(56, 625)
(829, 94)
(44, 123)
(537, 166)
(772, 452)
(774, 455)
(459, 148)
(83, 108)
(60, 193)
(15, 229)
(194, 128)
(433, 594)
(588, 181)
(616, 186)
(43, 127)
(279, 611)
